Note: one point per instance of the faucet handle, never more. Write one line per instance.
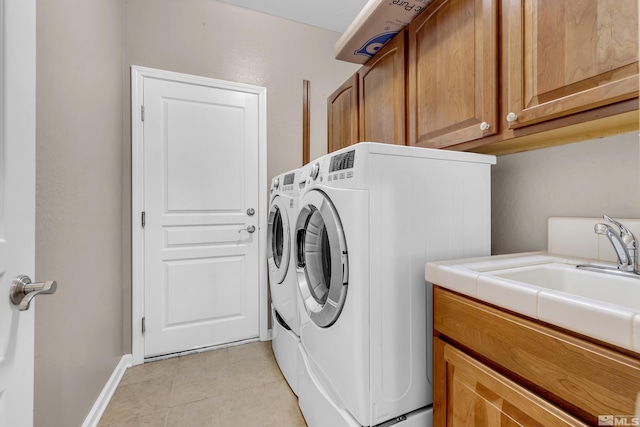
(625, 233)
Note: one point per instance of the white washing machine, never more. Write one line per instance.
(283, 210)
(370, 216)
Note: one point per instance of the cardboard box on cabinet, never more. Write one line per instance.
(377, 23)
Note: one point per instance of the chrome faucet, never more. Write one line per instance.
(624, 243)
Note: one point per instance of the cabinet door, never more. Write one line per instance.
(382, 94)
(342, 113)
(474, 395)
(570, 372)
(453, 89)
(569, 56)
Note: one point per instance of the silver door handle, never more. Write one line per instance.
(23, 291)
(249, 228)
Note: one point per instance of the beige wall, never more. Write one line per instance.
(83, 234)
(214, 39)
(222, 41)
(79, 205)
(587, 178)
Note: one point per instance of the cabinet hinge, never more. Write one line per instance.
(142, 112)
(144, 326)
(144, 218)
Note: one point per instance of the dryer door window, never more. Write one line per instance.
(321, 258)
(278, 242)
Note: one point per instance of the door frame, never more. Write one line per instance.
(17, 198)
(138, 74)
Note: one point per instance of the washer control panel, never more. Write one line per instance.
(285, 183)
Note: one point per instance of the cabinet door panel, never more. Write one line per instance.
(478, 396)
(342, 115)
(570, 56)
(453, 73)
(382, 94)
(570, 370)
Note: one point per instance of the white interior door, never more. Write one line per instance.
(201, 199)
(17, 206)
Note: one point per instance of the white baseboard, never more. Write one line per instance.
(103, 400)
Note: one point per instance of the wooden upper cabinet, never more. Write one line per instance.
(382, 94)
(497, 76)
(342, 113)
(565, 57)
(452, 73)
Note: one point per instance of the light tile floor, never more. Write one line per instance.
(236, 386)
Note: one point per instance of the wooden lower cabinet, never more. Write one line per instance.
(475, 395)
(496, 368)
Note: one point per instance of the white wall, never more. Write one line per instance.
(588, 179)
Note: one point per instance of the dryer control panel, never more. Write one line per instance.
(342, 161)
(339, 165)
(335, 168)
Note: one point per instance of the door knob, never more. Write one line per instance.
(23, 291)
(251, 211)
(250, 228)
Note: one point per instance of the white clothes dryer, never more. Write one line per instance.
(285, 321)
(370, 217)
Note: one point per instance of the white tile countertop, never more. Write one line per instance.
(614, 319)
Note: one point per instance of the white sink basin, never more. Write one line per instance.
(600, 286)
(551, 289)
